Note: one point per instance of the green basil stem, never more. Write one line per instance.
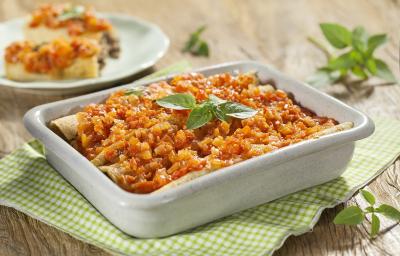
(321, 46)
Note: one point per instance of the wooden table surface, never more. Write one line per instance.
(273, 32)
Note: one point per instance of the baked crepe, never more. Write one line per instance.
(67, 127)
(80, 68)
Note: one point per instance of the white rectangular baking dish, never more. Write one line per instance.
(218, 194)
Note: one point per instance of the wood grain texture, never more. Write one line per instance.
(270, 31)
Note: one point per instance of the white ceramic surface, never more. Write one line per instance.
(221, 193)
(142, 44)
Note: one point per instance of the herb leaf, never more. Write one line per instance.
(351, 215)
(72, 13)
(198, 117)
(369, 209)
(359, 72)
(211, 108)
(371, 66)
(375, 41)
(368, 196)
(375, 225)
(193, 39)
(215, 103)
(237, 110)
(389, 211)
(202, 50)
(219, 114)
(195, 45)
(354, 215)
(383, 71)
(356, 57)
(215, 100)
(178, 101)
(337, 35)
(344, 61)
(360, 39)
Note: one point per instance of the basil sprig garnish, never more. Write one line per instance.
(72, 13)
(355, 56)
(196, 45)
(206, 111)
(354, 215)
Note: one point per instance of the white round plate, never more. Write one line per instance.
(142, 44)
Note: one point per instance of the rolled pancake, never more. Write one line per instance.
(193, 175)
(184, 179)
(66, 127)
(113, 171)
(99, 160)
(334, 129)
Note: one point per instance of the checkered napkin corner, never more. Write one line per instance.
(36, 148)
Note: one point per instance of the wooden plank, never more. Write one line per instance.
(270, 31)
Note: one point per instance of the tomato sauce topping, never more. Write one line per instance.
(50, 57)
(152, 147)
(51, 16)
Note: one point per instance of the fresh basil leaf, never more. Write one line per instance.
(343, 72)
(357, 57)
(200, 30)
(337, 35)
(195, 45)
(383, 71)
(351, 215)
(202, 49)
(368, 196)
(371, 66)
(178, 101)
(138, 91)
(370, 209)
(375, 41)
(344, 61)
(323, 77)
(198, 117)
(72, 13)
(375, 225)
(359, 72)
(360, 39)
(216, 100)
(389, 211)
(193, 40)
(218, 113)
(237, 110)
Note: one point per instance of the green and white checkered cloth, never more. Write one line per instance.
(29, 184)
